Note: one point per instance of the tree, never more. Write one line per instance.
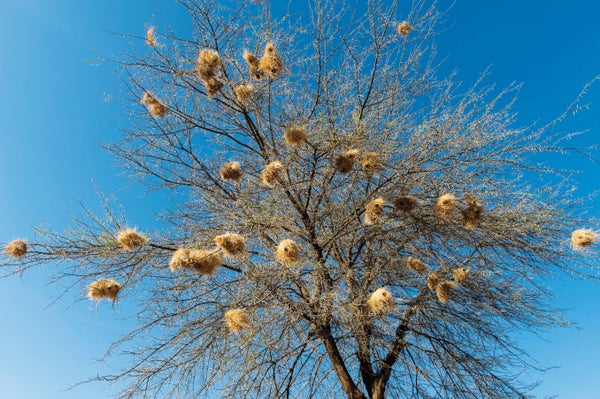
(342, 217)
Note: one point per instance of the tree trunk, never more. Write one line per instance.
(337, 361)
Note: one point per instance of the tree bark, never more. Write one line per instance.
(348, 385)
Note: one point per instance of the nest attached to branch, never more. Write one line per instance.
(237, 320)
(130, 239)
(581, 239)
(16, 248)
(294, 135)
(460, 274)
(271, 174)
(103, 288)
(433, 279)
(416, 265)
(231, 171)
(270, 63)
(345, 162)
(243, 93)
(472, 213)
(405, 203)
(371, 162)
(206, 66)
(231, 244)
(203, 261)
(155, 107)
(404, 28)
(374, 211)
(445, 206)
(381, 301)
(444, 290)
(288, 252)
(213, 86)
(252, 61)
(150, 38)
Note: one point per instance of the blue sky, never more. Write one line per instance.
(58, 105)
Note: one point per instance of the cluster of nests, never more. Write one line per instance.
(270, 175)
(381, 300)
(269, 64)
(445, 207)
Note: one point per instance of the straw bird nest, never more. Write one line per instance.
(16, 248)
(473, 212)
(374, 211)
(445, 206)
(416, 265)
(155, 107)
(130, 239)
(231, 171)
(581, 239)
(404, 28)
(150, 39)
(405, 203)
(345, 162)
(371, 162)
(294, 135)
(231, 244)
(381, 301)
(444, 290)
(460, 274)
(103, 288)
(243, 93)
(270, 63)
(237, 320)
(288, 252)
(252, 61)
(271, 174)
(203, 261)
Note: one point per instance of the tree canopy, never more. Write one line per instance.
(342, 217)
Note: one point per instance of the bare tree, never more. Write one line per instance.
(342, 217)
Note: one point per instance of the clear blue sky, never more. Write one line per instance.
(56, 108)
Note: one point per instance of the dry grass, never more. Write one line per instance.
(294, 135)
(460, 274)
(381, 301)
(16, 248)
(231, 244)
(237, 320)
(288, 252)
(581, 239)
(103, 288)
(231, 171)
(371, 162)
(405, 203)
(130, 239)
(445, 206)
(444, 290)
(345, 162)
(271, 174)
(374, 211)
(270, 63)
(416, 265)
(150, 38)
(404, 28)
